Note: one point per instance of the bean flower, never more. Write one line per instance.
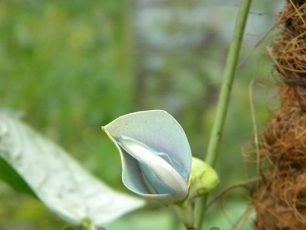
(156, 157)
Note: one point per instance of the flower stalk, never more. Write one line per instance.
(224, 96)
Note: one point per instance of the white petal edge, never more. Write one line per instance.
(160, 166)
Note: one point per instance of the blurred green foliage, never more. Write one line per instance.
(69, 67)
(63, 68)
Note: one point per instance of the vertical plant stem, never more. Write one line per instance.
(224, 96)
(227, 82)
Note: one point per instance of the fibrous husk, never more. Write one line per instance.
(280, 202)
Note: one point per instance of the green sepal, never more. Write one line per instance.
(202, 180)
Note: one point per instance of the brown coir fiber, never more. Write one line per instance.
(280, 202)
(289, 51)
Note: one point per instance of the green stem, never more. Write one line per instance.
(224, 96)
(227, 82)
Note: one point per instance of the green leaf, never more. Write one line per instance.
(10, 176)
(57, 179)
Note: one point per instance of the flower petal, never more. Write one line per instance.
(161, 132)
(158, 174)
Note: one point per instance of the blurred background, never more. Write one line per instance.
(68, 67)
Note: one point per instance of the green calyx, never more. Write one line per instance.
(203, 178)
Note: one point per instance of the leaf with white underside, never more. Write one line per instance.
(57, 179)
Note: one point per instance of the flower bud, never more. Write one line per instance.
(155, 154)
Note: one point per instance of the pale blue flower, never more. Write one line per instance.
(155, 154)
